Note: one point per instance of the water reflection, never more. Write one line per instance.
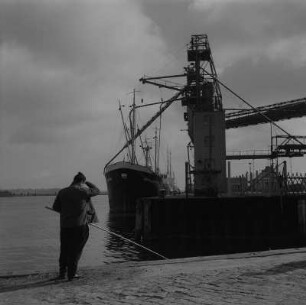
(29, 236)
(124, 225)
(168, 246)
(173, 247)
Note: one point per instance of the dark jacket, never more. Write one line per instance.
(92, 216)
(74, 205)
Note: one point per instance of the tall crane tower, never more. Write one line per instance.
(205, 116)
(206, 119)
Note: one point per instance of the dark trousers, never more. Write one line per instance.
(73, 241)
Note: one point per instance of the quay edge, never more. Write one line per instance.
(270, 277)
(197, 226)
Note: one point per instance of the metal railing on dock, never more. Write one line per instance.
(270, 182)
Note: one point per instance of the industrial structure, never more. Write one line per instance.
(207, 121)
(220, 214)
(205, 117)
(276, 112)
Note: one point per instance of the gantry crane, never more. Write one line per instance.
(207, 120)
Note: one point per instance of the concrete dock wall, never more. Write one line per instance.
(202, 226)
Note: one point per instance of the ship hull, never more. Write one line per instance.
(127, 182)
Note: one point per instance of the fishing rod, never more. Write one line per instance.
(120, 236)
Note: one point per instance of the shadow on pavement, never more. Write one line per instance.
(279, 269)
(14, 283)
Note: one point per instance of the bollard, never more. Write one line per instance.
(139, 220)
(302, 216)
(147, 224)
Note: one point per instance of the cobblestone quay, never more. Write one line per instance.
(272, 277)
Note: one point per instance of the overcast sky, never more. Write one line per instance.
(65, 63)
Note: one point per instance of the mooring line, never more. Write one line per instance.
(120, 236)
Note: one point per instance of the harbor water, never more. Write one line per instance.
(29, 236)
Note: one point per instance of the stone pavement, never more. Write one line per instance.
(272, 277)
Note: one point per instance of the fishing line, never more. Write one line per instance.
(128, 240)
(120, 236)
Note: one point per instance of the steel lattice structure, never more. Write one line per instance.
(276, 112)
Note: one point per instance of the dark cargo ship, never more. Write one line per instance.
(126, 182)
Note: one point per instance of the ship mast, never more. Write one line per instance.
(156, 151)
(133, 128)
(164, 106)
(126, 132)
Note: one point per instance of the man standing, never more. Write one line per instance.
(76, 211)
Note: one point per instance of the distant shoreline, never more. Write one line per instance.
(32, 193)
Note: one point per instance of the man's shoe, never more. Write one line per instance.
(76, 277)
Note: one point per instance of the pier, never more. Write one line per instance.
(271, 277)
(196, 226)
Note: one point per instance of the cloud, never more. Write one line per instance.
(257, 29)
(64, 65)
(291, 50)
(221, 4)
(65, 62)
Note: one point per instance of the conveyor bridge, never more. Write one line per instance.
(276, 112)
